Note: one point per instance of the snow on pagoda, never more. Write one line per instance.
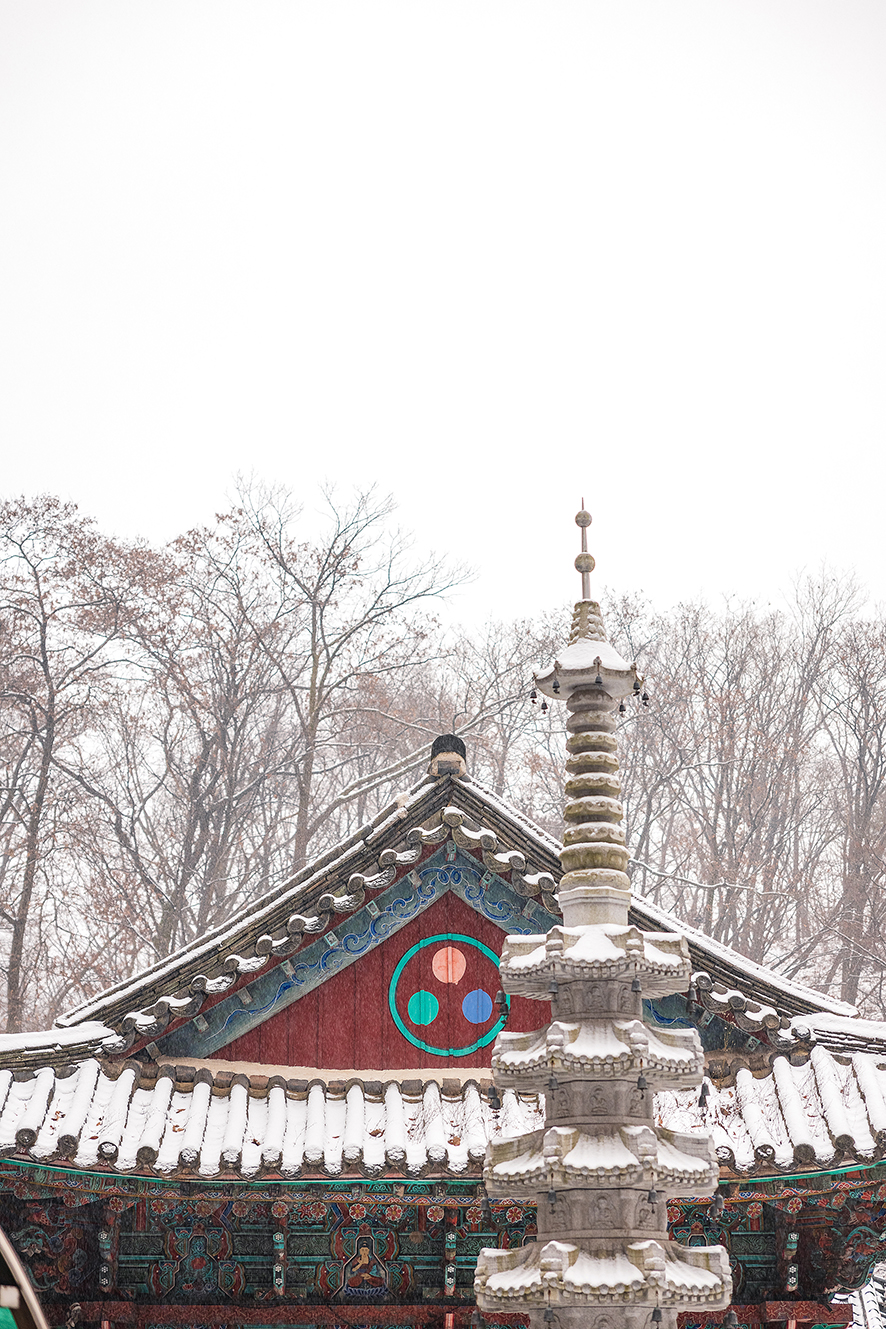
(599, 1168)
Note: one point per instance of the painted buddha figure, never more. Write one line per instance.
(364, 1270)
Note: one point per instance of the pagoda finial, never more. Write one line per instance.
(584, 561)
(589, 660)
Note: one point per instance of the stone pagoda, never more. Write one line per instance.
(600, 1170)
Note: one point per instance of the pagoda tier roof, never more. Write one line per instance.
(207, 1122)
(615, 1156)
(504, 841)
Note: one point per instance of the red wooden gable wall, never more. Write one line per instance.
(346, 1022)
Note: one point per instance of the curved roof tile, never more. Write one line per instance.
(202, 1123)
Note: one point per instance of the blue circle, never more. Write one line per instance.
(477, 1006)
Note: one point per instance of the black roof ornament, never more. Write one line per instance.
(449, 743)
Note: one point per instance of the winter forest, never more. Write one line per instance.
(182, 727)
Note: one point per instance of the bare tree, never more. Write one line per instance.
(194, 741)
(348, 609)
(853, 716)
(62, 591)
(489, 674)
(726, 784)
(237, 740)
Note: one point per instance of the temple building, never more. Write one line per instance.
(453, 1069)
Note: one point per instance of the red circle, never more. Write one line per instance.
(449, 964)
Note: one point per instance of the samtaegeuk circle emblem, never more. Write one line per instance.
(446, 985)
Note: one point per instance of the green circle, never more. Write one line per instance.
(392, 997)
(423, 1007)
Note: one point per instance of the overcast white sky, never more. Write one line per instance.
(490, 255)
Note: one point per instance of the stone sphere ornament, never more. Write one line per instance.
(585, 562)
(583, 518)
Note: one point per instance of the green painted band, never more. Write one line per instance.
(343, 1188)
(465, 1191)
(392, 997)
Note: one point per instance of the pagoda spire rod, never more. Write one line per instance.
(584, 561)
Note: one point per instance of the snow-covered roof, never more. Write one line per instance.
(733, 971)
(187, 1121)
(829, 1110)
(385, 851)
(184, 1121)
(90, 1039)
